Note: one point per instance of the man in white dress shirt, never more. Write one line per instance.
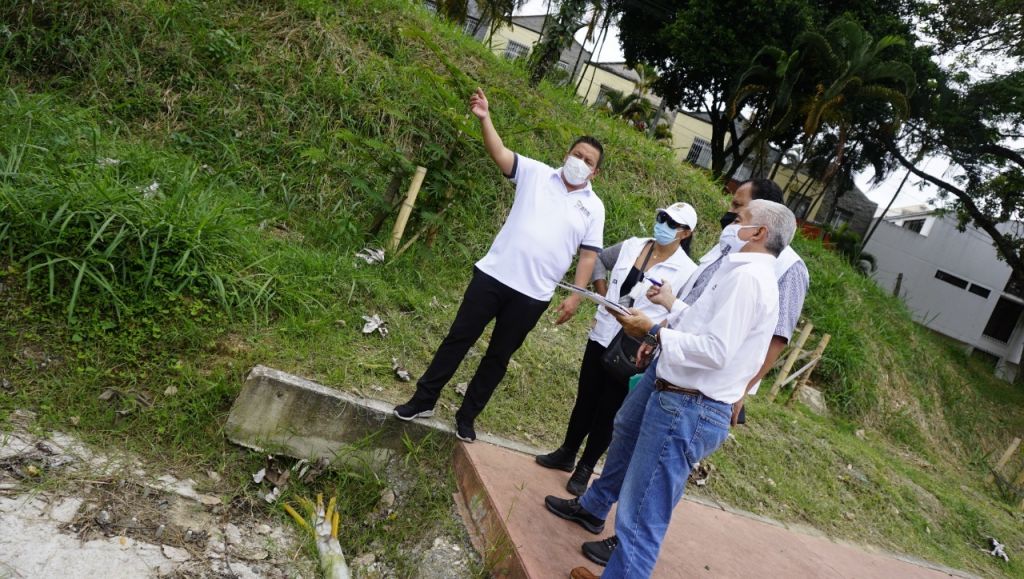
(681, 409)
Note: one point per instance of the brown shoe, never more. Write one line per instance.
(582, 573)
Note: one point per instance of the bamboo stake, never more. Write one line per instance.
(1003, 459)
(406, 209)
(806, 377)
(790, 360)
(1019, 481)
(800, 372)
(431, 228)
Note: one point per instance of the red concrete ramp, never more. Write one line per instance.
(502, 497)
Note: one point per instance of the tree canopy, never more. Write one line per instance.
(704, 51)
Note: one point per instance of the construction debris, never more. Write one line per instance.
(371, 255)
(400, 372)
(998, 549)
(374, 324)
(701, 473)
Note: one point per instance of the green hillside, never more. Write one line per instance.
(185, 184)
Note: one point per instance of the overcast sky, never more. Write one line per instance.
(913, 193)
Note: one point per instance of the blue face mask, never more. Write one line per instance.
(663, 234)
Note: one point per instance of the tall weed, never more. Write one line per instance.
(98, 222)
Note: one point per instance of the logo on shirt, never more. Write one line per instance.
(583, 210)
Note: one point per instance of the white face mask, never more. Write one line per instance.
(730, 238)
(575, 171)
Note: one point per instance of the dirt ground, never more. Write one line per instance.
(68, 511)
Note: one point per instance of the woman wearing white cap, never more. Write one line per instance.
(635, 264)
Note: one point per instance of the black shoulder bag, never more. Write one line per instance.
(619, 358)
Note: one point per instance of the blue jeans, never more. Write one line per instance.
(658, 438)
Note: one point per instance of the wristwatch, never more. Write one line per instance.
(651, 337)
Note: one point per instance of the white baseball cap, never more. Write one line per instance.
(681, 213)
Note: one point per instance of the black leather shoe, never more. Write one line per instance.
(560, 459)
(600, 551)
(579, 480)
(571, 510)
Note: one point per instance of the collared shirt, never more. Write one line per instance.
(619, 259)
(547, 225)
(793, 283)
(703, 278)
(723, 337)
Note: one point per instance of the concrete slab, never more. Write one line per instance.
(281, 413)
(702, 541)
(287, 414)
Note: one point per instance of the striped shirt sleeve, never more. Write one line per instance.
(792, 291)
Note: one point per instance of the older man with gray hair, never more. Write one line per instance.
(680, 411)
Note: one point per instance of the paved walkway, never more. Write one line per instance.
(703, 540)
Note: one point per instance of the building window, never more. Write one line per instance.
(602, 95)
(515, 50)
(951, 279)
(471, 24)
(978, 290)
(700, 153)
(914, 225)
(1003, 320)
(842, 217)
(564, 66)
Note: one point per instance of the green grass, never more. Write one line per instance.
(279, 133)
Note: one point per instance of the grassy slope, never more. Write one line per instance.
(273, 130)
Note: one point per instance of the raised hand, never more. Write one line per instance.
(478, 104)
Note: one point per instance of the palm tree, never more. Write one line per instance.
(558, 34)
(497, 13)
(454, 10)
(632, 108)
(770, 87)
(863, 88)
(836, 81)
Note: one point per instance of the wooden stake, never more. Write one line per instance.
(430, 228)
(822, 344)
(406, 209)
(1004, 459)
(790, 360)
(1019, 481)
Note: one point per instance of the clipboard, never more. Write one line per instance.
(594, 297)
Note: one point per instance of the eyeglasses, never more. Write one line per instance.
(664, 218)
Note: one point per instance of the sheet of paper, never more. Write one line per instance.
(595, 297)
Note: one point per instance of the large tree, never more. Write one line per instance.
(702, 48)
(839, 82)
(974, 117)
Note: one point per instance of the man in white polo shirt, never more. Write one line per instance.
(554, 215)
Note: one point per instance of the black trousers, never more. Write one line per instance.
(598, 399)
(486, 299)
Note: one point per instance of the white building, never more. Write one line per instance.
(952, 281)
